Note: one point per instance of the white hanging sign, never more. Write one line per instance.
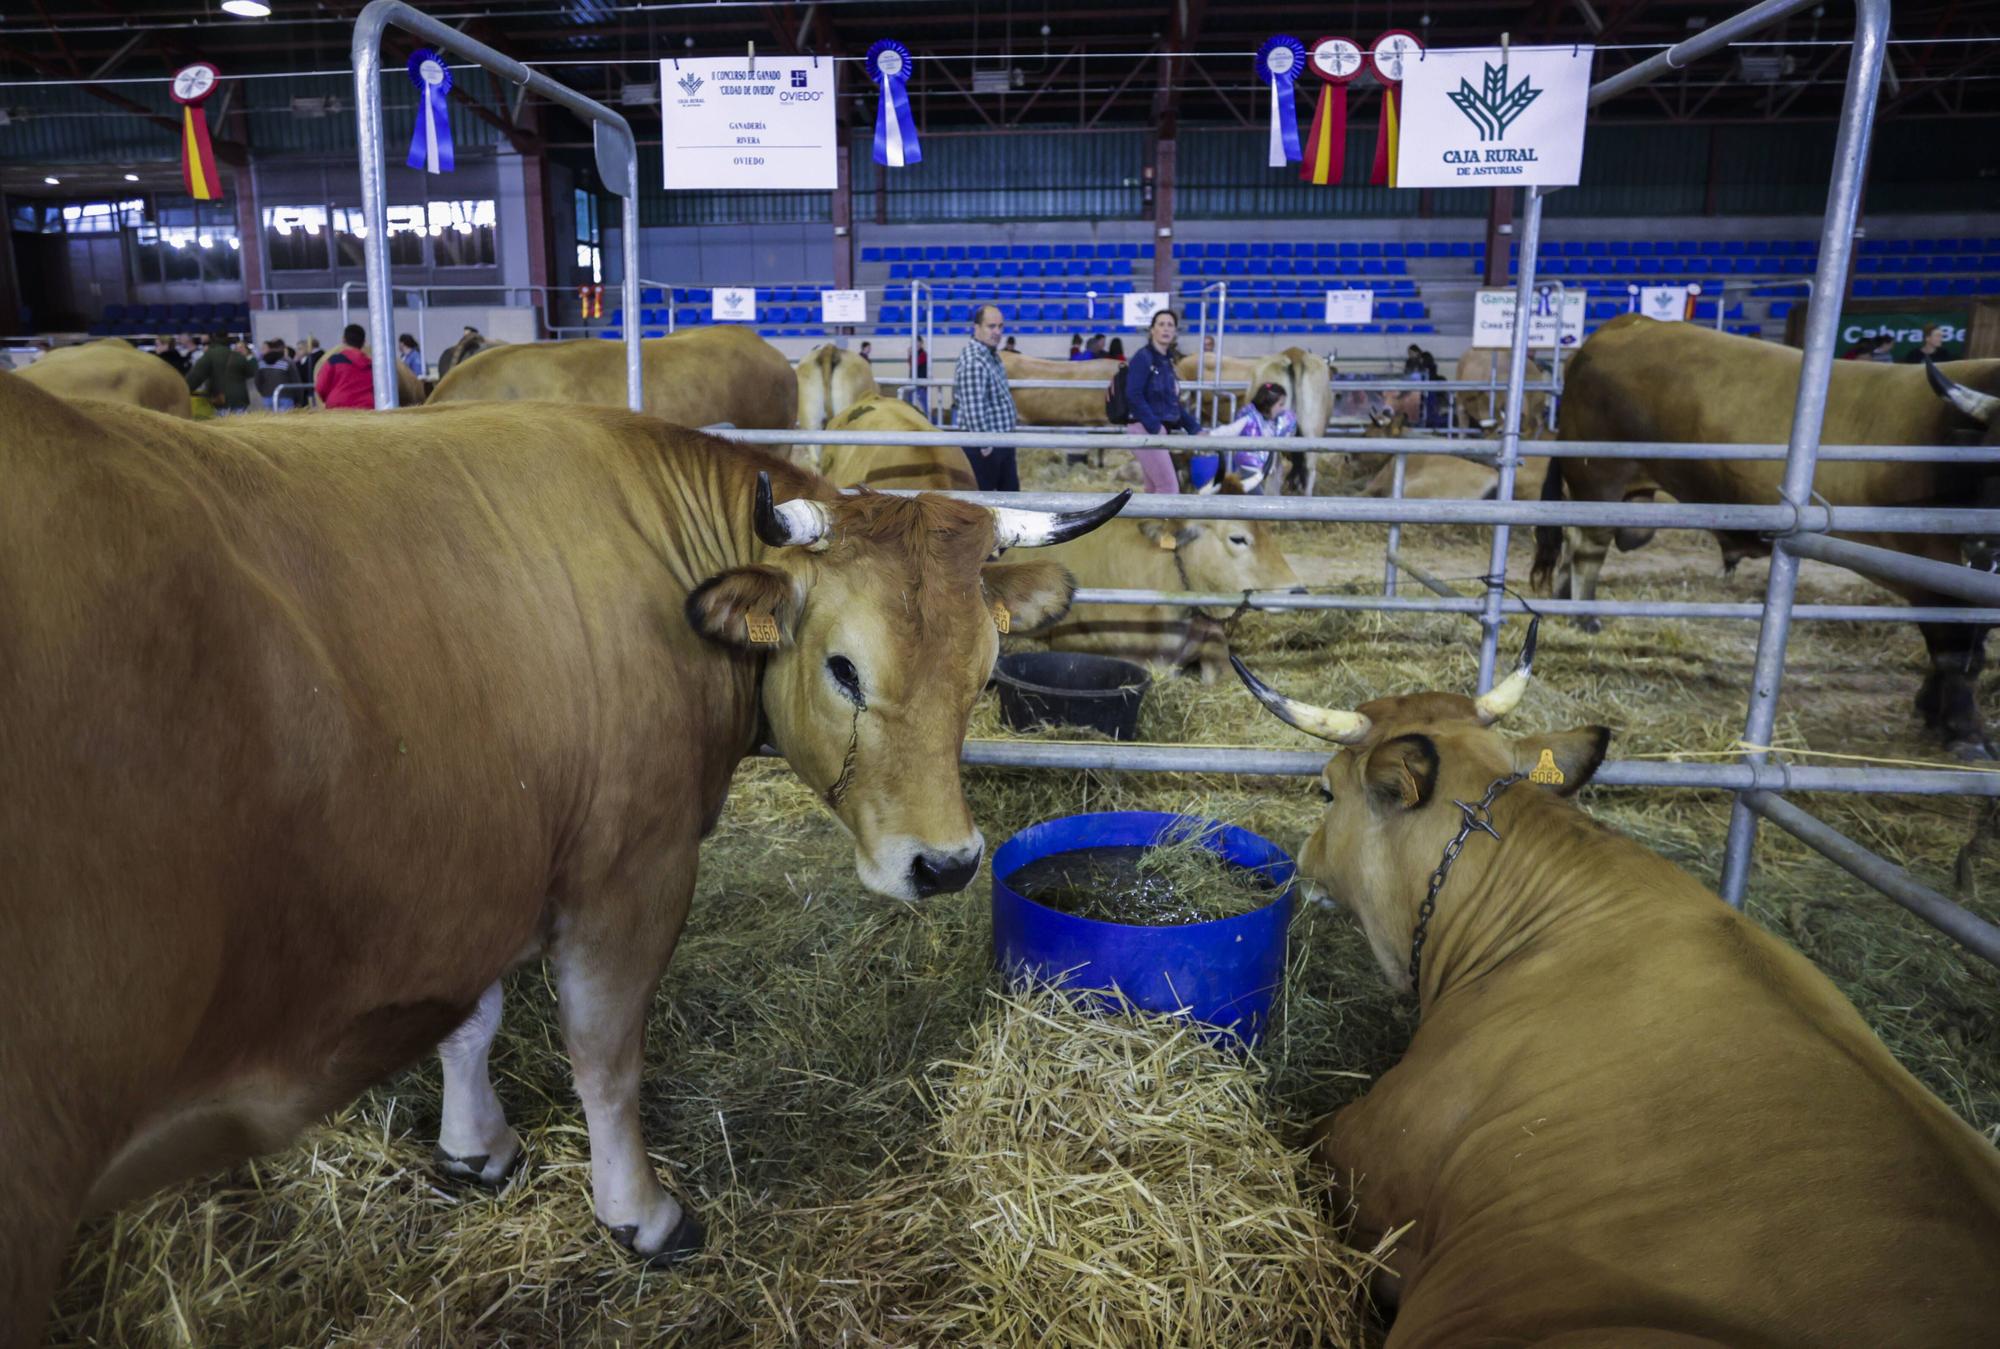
(1665, 303)
(736, 304)
(1349, 306)
(1488, 117)
(1142, 305)
(843, 306)
(1493, 318)
(731, 123)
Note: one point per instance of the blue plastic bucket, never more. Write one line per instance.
(1224, 972)
(1202, 469)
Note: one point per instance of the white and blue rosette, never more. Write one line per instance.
(430, 139)
(895, 130)
(1279, 62)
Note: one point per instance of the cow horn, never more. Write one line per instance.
(1345, 728)
(800, 522)
(1974, 404)
(1014, 528)
(1504, 696)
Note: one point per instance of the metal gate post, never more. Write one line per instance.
(1836, 245)
(1510, 432)
(617, 165)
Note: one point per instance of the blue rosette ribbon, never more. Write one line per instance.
(895, 129)
(430, 139)
(1279, 63)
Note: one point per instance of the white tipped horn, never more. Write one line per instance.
(1505, 696)
(799, 523)
(1014, 528)
(1974, 404)
(1341, 727)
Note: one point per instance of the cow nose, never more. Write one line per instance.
(942, 873)
(1296, 590)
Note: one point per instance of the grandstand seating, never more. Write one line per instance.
(144, 320)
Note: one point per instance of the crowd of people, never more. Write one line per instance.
(223, 369)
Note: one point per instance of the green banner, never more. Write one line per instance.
(1907, 327)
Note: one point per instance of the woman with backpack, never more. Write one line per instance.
(1152, 400)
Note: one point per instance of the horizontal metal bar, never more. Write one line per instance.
(1096, 754)
(1945, 914)
(1589, 514)
(1883, 564)
(1711, 39)
(1093, 438)
(1280, 602)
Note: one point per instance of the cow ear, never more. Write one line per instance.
(1034, 594)
(754, 608)
(1402, 773)
(1562, 761)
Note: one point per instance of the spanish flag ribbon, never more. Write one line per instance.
(1388, 56)
(1383, 173)
(1336, 61)
(192, 86)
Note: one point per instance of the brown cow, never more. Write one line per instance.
(332, 720)
(1637, 379)
(469, 344)
(830, 382)
(1480, 412)
(114, 371)
(918, 468)
(1228, 556)
(700, 377)
(1629, 1115)
(1084, 406)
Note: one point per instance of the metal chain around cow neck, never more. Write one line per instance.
(1478, 820)
(1228, 625)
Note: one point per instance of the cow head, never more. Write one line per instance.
(1224, 555)
(1981, 407)
(1390, 792)
(879, 618)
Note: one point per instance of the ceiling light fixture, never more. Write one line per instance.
(247, 9)
(131, 177)
(53, 182)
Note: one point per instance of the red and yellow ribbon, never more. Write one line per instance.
(1387, 56)
(192, 85)
(1336, 61)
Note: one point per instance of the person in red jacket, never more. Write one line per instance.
(346, 378)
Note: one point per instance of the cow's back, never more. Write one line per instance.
(112, 371)
(1657, 1115)
(699, 377)
(908, 467)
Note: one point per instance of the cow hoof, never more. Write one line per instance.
(479, 1168)
(684, 1241)
(1973, 750)
(1591, 625)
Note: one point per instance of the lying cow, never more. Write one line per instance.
(1442, 476)
(1637, 379)
(1202, 556)
(917, 468)
(112, 370)
(1629, 1115)
(319, 725)
(700, 377)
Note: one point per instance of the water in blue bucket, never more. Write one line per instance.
(1224, 971)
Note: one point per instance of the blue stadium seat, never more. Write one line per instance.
(1461, 250)
(614, 334)
(650, 295)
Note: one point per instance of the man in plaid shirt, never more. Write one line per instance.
(981, 401)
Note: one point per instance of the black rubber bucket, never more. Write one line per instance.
(1069, 688)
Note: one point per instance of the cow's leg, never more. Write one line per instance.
(1586, 548)
(608, 960)
(475, 1142)
(1949, 699)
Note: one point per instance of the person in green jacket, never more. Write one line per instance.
(223, 374)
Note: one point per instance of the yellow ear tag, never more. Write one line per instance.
(763, 629)
(1001, 618)
(1546, 773)
(1169, 542)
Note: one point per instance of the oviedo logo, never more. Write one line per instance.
(690, 84)
(1493, 109)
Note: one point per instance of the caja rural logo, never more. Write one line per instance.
(1493, 109)
(690, 84)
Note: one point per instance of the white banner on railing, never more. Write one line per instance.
(735, 304)
(731, 123)
(1493, 318)
(843, 306)
(1350, 306)
(1668, 304)
(1488, 117)
(1140, 307)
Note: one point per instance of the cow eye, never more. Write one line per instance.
(1326, 793)
(1240, 540)
(844, 674)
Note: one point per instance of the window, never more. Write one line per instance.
(186, 253)
(295, 238)
(589, 243)
(461, 233)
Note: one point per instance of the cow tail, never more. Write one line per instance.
(1548, 538)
